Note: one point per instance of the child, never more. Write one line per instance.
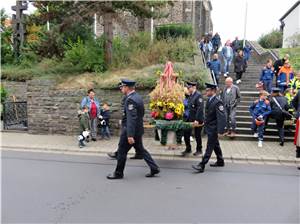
(285, 74)
(259, 111)
(84, 125)
(104, 121)
(215, 67)
(289, 95)
(267, 75)
(295, 82)
(240, 66)
(247, 52)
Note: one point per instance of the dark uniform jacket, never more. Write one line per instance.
(132, 119)
(195, 107)
(296, 103)
(215, 119)
(276, 111)
(240, 64)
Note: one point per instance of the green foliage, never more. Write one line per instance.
(89, 56)
(294, 56)
(3, 93)
(7, 55)
(173, 31)
(272, 39)
(137, 51)
(50, 68)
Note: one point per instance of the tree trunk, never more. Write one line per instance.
(108, 33)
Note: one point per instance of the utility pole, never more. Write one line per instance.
(245, 24)
(95, 25)
(151, 25)
(18, 26)
(48, 24)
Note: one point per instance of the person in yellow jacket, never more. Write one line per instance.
(295, 83)
(289, 95)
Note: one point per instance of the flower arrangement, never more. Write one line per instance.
(166, 100)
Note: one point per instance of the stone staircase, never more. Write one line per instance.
(249, 94)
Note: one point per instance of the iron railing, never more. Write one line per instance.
(15, 115)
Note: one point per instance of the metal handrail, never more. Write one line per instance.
(264, 51)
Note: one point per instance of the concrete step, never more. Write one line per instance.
(268, 131)
(247, 137)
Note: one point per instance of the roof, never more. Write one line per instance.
(290, 10)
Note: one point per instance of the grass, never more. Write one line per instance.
(294, 56)
(145, 78)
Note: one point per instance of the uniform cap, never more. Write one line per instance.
(127, 82)
(210, 86)
(190, 84)
(275, 90)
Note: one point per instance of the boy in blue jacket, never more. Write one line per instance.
(215, 67)
(267, 75)
(104, 121)
(259, 111)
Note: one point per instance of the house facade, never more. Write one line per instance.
(290, 25)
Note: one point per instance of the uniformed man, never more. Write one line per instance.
(195, 115)
(113, 155)
(278, 104)
(132, 131)
(214, 123)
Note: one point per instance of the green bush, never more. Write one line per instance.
(89, 56)
(173, 31)
(3, 93)
(271, 40)
(294, 56)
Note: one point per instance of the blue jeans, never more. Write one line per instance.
(105, 131)
(268, 85)
(258, 129)
(227, 63)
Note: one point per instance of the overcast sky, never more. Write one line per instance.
(229, 15)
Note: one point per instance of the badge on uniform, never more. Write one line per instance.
(221, 108)
(200, 100)
(130, 107)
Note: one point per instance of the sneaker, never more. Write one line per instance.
(225, 75)
(255, 135)
(238, 81)
(191, 139)
(260, 144)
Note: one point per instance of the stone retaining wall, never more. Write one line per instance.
(54, 111)
(17, 89)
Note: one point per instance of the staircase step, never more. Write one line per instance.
(246, 137)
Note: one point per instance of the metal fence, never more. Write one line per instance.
(15, 115)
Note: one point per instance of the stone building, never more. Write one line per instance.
(195, 12)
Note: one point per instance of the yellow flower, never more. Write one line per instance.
(159, 104)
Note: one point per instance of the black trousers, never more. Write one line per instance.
(239, 75)
(198, 138)
(279, 126)
(213, 145)
(124, 147)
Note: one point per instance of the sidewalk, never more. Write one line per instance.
(234, 151)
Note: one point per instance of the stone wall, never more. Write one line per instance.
(15, 89)
(54, 111)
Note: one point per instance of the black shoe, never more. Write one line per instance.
(197, 153)
(114, 176)
(217, 164)
(94, 139)
(112, 155)
(137, 157)
(152, 173)
(185, 153)
(200, 168)
(298, 167)
(281, 143)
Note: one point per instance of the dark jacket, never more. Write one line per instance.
(296, 103)
(278, 64)
(216, 40)
(133, 115)
(105, 116)
(276, 111)
(240, 64)
(215, 119)
(195, 107)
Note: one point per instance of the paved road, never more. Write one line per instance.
(40, 187)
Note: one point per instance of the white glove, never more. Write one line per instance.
(100, 117)
(85, 133)
(102, 122)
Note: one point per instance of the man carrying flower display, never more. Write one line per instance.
(215, 122)
(195, 115)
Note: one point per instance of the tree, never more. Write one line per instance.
(110, 9)
(272, 39)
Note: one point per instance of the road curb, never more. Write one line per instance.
(233, 159)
